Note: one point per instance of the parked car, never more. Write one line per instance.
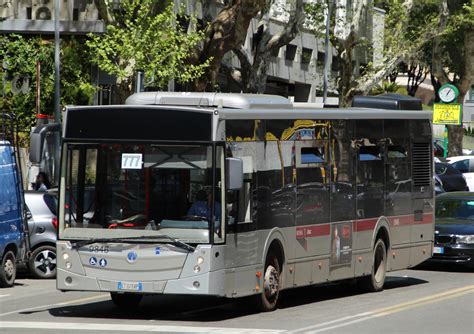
(464, 164)
(42, 225)
(451, 178)
(454, 228)
(13, 246)
(438, 149)
(439, 189)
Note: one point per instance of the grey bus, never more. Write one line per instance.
(234, 195)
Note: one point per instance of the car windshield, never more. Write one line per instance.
(123, 190)
(455, 208)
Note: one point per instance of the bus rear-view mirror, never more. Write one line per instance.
(234, 173)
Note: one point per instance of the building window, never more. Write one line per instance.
(290, 52)
(471, 93)
(306, 56)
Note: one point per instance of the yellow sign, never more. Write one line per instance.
(447, 113)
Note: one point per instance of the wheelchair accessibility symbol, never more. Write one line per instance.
(93, 261)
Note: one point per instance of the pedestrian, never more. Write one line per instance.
(42, 182)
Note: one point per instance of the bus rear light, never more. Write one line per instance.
(258, 274)
(54, 221)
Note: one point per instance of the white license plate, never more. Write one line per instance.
(438, 250)
(131, 286)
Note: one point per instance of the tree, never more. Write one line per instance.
(253, 75)
(346, 37)
(453, 56)
(19, 56)
(145, 35)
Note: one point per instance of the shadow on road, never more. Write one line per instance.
(209, 309)
(448, 267)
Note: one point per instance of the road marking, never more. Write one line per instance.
(131, 328)
(70, 302)
(343, 322)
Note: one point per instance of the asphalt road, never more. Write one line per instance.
(427, 300)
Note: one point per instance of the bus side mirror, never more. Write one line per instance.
(234, 173)
(37, 138)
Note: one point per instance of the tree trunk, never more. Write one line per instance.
(225, 33)
(124, 90)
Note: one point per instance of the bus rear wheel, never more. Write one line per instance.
(126, 300)
(375, 281)
(8, 270)
(268, 299)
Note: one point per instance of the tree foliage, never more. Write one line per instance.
(452, 56)
(347, 38)
(143, 35)
(19, 56)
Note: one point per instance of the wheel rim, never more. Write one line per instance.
(271, 283)
(9, 268)
(45, 262)
(379, 264)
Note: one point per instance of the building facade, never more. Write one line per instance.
(296, 70)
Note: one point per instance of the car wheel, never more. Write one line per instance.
(268, 299)
(8, 270)
(375, 281)
(42, 263)
(126, 300)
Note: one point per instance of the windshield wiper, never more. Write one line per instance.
(173, 241)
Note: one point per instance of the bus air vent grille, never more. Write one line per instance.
(422, 164)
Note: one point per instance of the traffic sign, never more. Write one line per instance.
(448, 114)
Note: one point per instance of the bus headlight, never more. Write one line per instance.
(200, 260)
(197, 269)
(65, 256)
(68, 265)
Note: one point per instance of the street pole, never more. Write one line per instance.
(326, 52)
(57, 60)
(57, 95)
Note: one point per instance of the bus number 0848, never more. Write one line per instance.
(99, 249)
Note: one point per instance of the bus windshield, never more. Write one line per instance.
(128, 190)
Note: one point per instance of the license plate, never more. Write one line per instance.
(438, 250)
(131, 286)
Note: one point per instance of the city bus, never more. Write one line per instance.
(233, 195)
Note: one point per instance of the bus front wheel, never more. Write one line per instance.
(375, 281)
(268, 299)
(126, 300)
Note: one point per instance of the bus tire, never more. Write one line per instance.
(268, 299)
(8, 270)
(126, 300)
(375, 281)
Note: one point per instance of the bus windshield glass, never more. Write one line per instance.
(132, 190)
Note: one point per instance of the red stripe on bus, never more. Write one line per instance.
(427, 219)
(364, 225)
(401, 220)
(313, 231)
